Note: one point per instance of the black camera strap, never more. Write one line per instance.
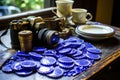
(3, 34)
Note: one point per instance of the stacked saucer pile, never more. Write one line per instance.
(95, 32)
(71, 57)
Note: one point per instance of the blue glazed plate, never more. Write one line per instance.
(66, 65)
(35, 56)
(28, 64)
(39, 49)
(7, 69)
(16, 66)
(57, 73)
(48, 61)
(66, 60)
(93, 56)
(94, 50)
(78, 53)
(45, 69)
(64, 51)
(83, 62)
(24, 72)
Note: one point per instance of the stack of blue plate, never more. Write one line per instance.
(71, 57)
(66, 62)
(48, 61)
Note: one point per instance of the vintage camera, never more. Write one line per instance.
(42, 34)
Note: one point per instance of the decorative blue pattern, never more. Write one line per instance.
(71, 57)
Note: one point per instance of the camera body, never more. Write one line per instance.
(42, 34)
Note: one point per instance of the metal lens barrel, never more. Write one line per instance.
(48, 37)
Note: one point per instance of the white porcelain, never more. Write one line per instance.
(64, 7)
(80, 16)
(96, 32)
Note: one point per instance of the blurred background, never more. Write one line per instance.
(16, 6)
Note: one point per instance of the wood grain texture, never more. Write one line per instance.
(110, 51)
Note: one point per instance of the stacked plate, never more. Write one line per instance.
(95, 32)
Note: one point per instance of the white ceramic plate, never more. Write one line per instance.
(96, 32)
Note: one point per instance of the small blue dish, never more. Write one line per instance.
(94, 50)
(76, 70)
(45, 69)
(74, 39)
(75, 44)
(48, 61)
(7, 69)
(22, 54)
(66, 65)
(67, 44)
(78, 53)
(80, 57)
(28, 64)
(93, 56)
(24, 72)
(81, 47)
(39, 49)
(71, 39)
(88, 45)
(16, 66)
(50, 53)
(64, 51)
(72, 52)
(35, 56)
(66, 60)
(83, 62)
(57, 73)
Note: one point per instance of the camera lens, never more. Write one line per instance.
(51, 37)
(40, 36)
(48, 37)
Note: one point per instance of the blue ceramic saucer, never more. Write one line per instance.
(66, 60)
(72, 52)
(22, 54)
(7, 69)
(78, 53)
(16, 66)
(45, 69)
(83, 62)
(39, 49)
(50, 53)
(81, 47)
(80, 57)
(57, 73)
(88, 45)
(35, 56)
(24, 72)
(28, 64)
(64, 51)
(93, 56)
(66, 65)
(48, 61)
(94, 50)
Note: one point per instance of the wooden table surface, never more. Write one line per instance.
(110, 52)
